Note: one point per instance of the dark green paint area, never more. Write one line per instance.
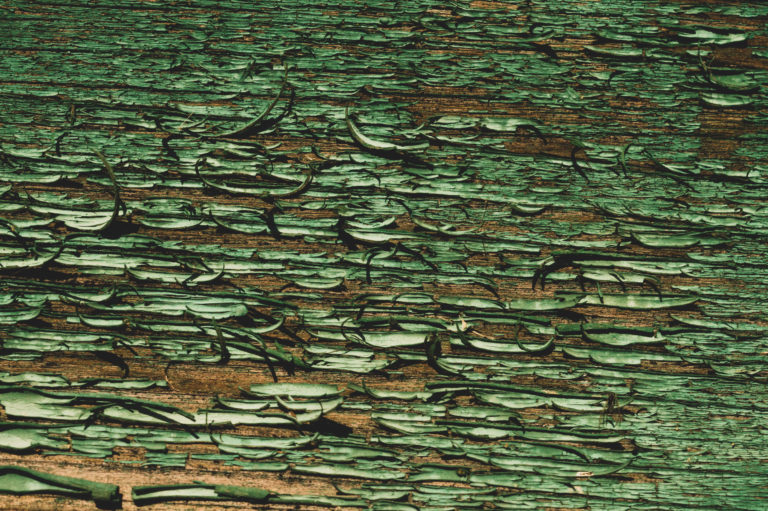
(470, 255)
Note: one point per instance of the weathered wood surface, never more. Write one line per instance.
(590, 173)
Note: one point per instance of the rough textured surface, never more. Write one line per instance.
(497, 255)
